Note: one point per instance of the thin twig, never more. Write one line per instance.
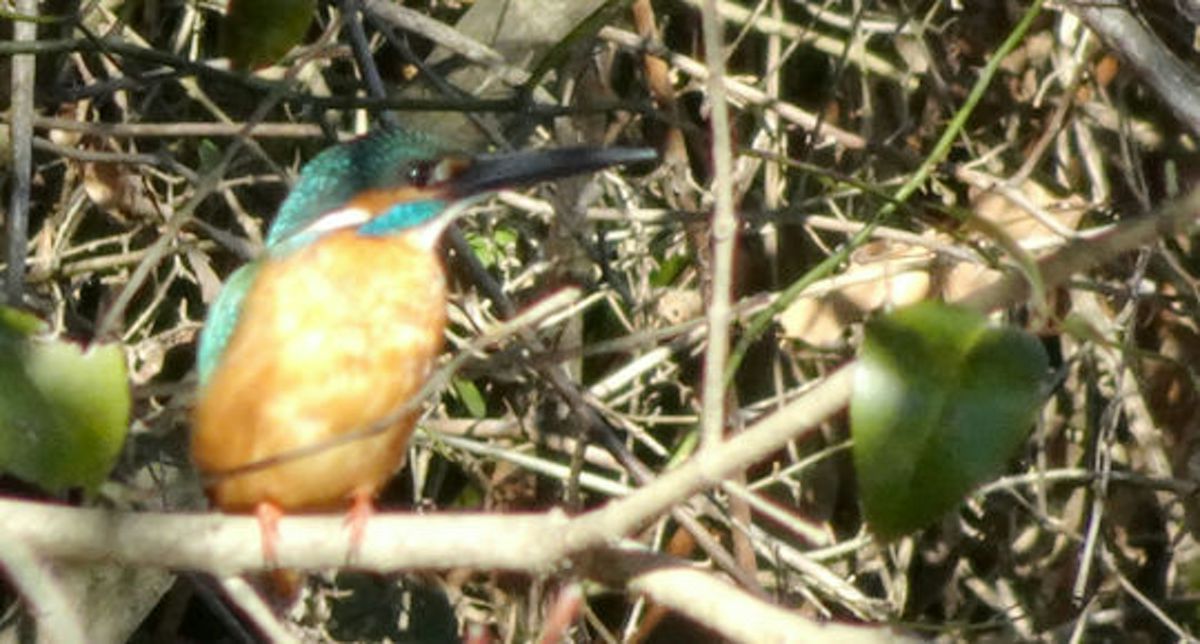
(724, 231)
(1171, 79)
(21, 138)
(182, 129)
(48, 601)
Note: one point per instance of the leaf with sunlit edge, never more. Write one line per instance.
(64, 410)
(941, 401)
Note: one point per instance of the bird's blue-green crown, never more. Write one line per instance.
(380, 160)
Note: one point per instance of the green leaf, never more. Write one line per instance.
(209, 154)
(941, 401)
(471, 397)
(669, 269)
(64, 411)
(256, 33)
(15, 323)
(491, 248)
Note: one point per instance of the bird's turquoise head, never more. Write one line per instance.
(393, 180)
(378, 163)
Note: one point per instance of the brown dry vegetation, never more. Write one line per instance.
(575, 373)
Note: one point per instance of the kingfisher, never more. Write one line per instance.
(312, 355)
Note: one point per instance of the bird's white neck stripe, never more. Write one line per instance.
(338, 219)
(425, 235)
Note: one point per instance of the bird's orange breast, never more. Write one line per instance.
(330, 340)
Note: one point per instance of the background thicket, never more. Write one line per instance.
(966, 139)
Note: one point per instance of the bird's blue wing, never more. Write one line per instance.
(223, 319)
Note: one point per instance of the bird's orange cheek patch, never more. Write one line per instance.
(379, 201)
(390, 211)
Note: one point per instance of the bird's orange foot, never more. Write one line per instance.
(283, 584)
(268, 523)
(360, 512)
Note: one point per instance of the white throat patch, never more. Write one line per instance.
(338, 219)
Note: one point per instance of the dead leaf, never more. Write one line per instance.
(889, 273)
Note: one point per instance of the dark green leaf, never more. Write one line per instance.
(210, 155)
(941, 401)
(256, 33)
(471, 398)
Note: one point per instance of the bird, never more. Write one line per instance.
(312, 356)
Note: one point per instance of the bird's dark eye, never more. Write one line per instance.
(420, 173)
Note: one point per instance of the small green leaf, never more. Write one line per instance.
(471, 397)
(259, 32)
(940, 403)
(669, 269)
(64, 411)
(493, 247)
(210, 155)
(505, 238)
(484, 249)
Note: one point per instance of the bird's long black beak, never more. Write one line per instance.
(489, 172)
